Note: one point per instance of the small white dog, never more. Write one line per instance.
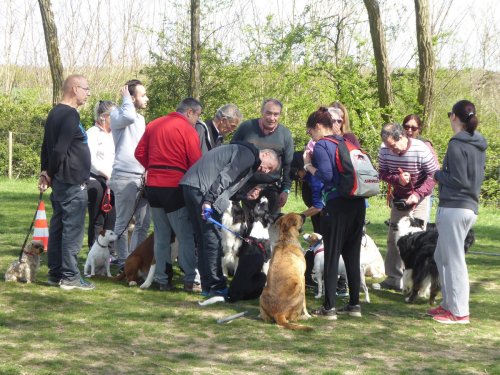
(371, 262)
(98, 257)
(25, 270)
(315, 241)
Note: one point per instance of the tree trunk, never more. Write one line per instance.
(426, 59)
(195, 81)
(52, 44)
(380, 52)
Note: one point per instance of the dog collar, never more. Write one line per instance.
(101, 245)
(320, 250)
(315, 247)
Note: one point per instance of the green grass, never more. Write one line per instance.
(120, 330)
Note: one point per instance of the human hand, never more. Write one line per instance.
(206, 211)
(412, 200)
(43, 181)
(254, 193)
(124, 92)
(282, 198)
(404, 178)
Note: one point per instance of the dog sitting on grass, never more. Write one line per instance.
(25, 270)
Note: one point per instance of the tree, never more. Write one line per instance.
(52, 44)
(195, 80)
(380, 52)
(426, 59)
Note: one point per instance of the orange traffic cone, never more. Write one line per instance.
(41, 229)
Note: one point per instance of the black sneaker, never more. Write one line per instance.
(76, 284)
(330, 314)
(350, 310)
(53, 281)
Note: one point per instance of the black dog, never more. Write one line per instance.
(417, 252)
(249, 280)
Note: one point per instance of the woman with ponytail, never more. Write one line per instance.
(460, 182)
(342, 219)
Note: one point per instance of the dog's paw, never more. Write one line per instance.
(132, 283)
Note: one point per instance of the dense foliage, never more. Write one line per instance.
(298, 68)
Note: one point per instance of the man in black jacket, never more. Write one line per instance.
(65, 165)
(212, 132)
(207, 188)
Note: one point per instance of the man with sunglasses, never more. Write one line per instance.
(211, 133)
(408, 166)
(65, 165)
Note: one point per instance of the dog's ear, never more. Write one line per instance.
(102, 232)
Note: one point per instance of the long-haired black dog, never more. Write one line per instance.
(417, 252)
(249, 279)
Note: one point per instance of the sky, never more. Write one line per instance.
(100, 32)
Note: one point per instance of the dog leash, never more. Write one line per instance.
(31, 226)
(246, 239)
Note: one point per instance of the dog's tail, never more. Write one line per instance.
(283, 322)
(149, 279)
(212, 300)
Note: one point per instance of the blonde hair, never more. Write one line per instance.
(346, 126)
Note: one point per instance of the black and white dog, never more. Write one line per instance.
(416, 247)
(254, 252)
(234, 219)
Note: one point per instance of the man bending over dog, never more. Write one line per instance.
(207, 188)
(406, 164)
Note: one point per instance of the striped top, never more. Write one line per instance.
(417, 160)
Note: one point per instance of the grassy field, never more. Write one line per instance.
(120, 330)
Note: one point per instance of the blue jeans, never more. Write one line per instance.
(208, 240)
(126, 191)
(67, 226)
(179, 222)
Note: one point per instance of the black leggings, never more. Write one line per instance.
(342, 223)
(97, 218)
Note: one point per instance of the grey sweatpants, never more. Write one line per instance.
(394, 265)
(453, 224)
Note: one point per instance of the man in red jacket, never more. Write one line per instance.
(168, 148)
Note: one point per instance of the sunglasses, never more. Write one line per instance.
(338, 121)
(413, 128)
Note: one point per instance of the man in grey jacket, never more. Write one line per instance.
(207, 188)
(128, 126)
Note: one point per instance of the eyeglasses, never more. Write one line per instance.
(86, 89)
(449, 114)
(338, 121)
(413, 128)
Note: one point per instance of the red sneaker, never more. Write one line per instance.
(448, 318)
(436, 311)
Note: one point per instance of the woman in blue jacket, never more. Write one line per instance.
(342, 218)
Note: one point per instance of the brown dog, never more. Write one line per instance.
(25, 270)
(140, 264)
(283, 299)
